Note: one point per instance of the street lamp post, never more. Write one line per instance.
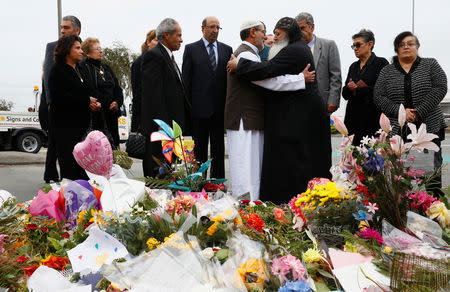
(59, 18)
(36, 93)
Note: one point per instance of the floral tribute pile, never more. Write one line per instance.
(337, 235)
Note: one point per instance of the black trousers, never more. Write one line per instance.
(149, 166)
(210, 129)
(65, 140)
(51, 172)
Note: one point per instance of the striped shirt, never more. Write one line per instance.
(428, 85)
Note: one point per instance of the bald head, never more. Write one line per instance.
(210, 28)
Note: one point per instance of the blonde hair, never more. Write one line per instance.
(86, 46)
(150, 36)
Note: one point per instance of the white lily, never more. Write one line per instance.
(421, 139)
(401, 115)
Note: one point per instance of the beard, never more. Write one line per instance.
(277, 47)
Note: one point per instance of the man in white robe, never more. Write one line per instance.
(244, 112)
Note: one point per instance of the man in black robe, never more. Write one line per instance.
(296, 141)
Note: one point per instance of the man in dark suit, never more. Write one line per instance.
(163, 95)
(70, 26)
(205, 77)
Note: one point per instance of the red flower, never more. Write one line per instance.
(362, 189)
(31, 226)
(21, 259)
(245, 202)
(65, 235)
(279, 214)
(257, 202)
(254, 221)
(30, 270)
(44, 229)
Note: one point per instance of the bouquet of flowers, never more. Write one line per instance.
(378, 172)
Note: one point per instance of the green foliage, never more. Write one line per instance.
(120, 58)
(5, 105)
(333, 130)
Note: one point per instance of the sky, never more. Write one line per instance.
(26, 26)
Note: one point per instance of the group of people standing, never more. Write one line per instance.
(276, 112)
(80, 93)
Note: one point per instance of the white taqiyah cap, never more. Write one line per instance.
(250, 23)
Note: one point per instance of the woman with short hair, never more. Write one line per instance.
(71, 104)
(419, 84)
(361, 115)
(105, 87)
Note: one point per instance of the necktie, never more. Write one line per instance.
(212, 56)
(176, 67)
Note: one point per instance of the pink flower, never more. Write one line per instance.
(420, 200)
(340, 126)
(2, 241)
(287, 268)
(385, 123)
(370, 233)
(421, 139)
(401, 115)
(398, 146)
(280, 268)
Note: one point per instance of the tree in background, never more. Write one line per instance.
(5, 105)
(120, 58)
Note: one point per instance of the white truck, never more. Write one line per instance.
(21, 131)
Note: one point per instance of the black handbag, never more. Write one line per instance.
(135, 146)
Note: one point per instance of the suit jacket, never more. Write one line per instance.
(328, 70)
(163, 95)
(205, 88)
(48, 64)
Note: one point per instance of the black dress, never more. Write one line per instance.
(362, 117)
(297, 145)
(70, 116)
(105, 87)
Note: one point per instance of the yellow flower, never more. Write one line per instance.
(218, 218)
(387, 249)
(312, 255)
(152, 243)
(252, 271)
(440, 212)
(81, 216)
(212, 229)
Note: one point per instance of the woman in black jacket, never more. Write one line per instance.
(362, 116)
(105, 87)
(71, 104)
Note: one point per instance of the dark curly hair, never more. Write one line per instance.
(64, 46)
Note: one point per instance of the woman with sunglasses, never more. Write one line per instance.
(419, 84)
(362, 116)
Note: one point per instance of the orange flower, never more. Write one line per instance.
(279, 214)
(58, 263)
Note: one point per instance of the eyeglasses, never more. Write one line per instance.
(356, 46)
(213, 27)
(262, 30)
(406, 45)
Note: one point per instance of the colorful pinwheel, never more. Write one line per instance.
(172, 141)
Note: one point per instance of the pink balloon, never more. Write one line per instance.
(94, 154)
